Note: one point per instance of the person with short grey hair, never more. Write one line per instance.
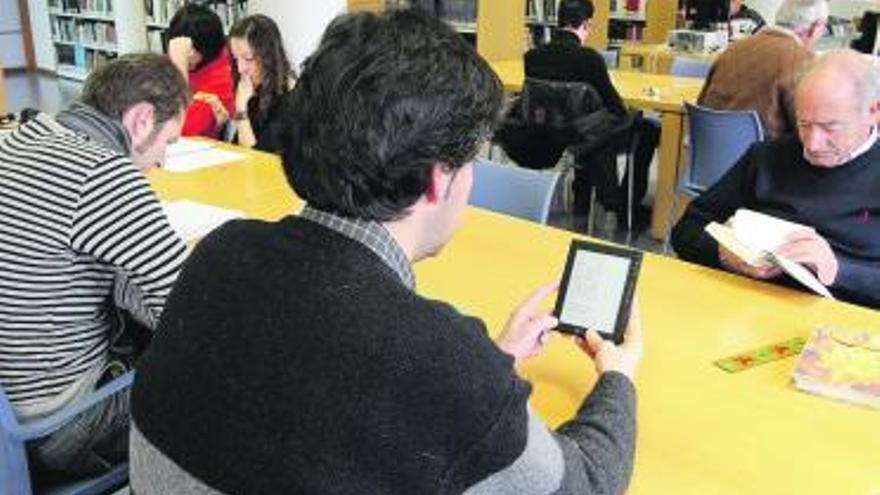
(825, 178)
(757, 73)
(85, 253)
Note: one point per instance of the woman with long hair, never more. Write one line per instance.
(262, 75)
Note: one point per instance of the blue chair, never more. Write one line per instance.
(15, 477)
(610, 57)
(690, 67)
(515, 191)
(718, 138)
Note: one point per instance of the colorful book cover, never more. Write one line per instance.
(842, 364)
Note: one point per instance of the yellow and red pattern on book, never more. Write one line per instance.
(842, 364)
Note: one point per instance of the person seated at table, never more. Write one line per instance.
(297, 357)
(739, 11)
(197, 46)
(566, 58)
(262, 77)
(83, 239)
(757, 73)
(827, 180)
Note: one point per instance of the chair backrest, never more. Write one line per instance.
(690, 67)
(610, 57)
(555, 104)
(718, 139)
(514, 191)
(14, 474)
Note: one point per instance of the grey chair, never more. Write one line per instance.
(515, 191)
(718, 138)
(690, 67)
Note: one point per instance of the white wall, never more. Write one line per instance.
(301, 22)
(44, 50)
(11, 43)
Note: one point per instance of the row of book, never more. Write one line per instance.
(79, 57)
(160, 12)
(103, 7)
(83, 31)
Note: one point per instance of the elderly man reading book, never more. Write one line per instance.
(826, 178)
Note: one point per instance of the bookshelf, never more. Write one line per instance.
(159, 13)
(86, 33)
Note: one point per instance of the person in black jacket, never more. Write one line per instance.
(297, 356)
(565, 58)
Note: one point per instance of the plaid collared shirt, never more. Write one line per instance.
(372, 235)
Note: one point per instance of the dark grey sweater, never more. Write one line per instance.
(291, 359)
(842, 203)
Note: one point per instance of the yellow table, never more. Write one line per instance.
(654, 92)
(701, 430)
(655, 58)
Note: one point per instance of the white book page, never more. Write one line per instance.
(762, 232)
(192, 220)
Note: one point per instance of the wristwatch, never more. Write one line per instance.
(239, 116)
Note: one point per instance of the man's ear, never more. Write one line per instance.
(437, 184)
(139, 120)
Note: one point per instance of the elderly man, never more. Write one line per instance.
(828, 180)
(82, 238)
(319, 367)
(757, 73)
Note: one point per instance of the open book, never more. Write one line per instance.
(753, 237)
(843, 364)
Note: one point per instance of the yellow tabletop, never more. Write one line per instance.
(651, 92)
(701, 430)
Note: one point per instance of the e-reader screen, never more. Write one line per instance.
(597, 289)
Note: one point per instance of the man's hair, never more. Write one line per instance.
(864, 76)
(203, 26)
(114, 87)
(573, 13)
(799, 14)
(264, 39)
(383, 100)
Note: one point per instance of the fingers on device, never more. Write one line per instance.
(597, 290)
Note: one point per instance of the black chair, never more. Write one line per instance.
(868, 28)
(551, 118)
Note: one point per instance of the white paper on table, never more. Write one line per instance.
(192, 220)
(186, 145)
(200, 159)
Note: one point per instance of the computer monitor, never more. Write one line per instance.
(704, 14)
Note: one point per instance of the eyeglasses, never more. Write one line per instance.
(449, 184)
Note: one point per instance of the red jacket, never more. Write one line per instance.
(215, 77)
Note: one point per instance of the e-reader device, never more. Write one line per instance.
(597, 289)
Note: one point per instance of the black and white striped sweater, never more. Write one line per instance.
(81, 232)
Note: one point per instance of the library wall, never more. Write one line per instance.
(302, 22)
(11, 44)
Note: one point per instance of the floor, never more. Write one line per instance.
(50, 94)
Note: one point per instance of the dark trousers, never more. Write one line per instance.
(598, 169)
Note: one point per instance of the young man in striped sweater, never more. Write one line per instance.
(83, 238)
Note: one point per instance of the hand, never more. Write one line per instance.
(220, 113)
(179, 51)
(809, 248)
(528, 329)
(736, 264)
(243, 94)
(624, 358)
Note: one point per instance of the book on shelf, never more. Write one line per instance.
(842, 364)
(753, 237)
(160, 12)
(101, 7)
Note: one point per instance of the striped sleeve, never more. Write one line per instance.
(119, 221)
